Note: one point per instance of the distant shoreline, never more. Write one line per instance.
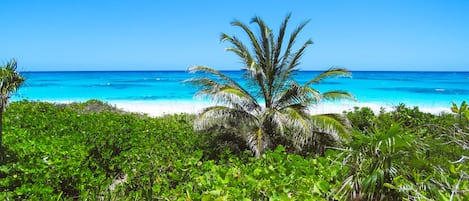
(195, 105)
(163, 107)
(159, 92)
(159, 108)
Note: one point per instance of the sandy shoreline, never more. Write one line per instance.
(159, 108)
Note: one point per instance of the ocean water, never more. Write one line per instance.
(427, 89)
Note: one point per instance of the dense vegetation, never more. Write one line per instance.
(93, 151)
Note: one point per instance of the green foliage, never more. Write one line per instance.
(430, 167)
(375, 160)
(275, 176)
(444, 183)
(92, 151)
(69, 152)
(362, 118)
(462, 112)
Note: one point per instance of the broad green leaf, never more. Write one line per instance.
(442, 196)
(388, 185)
(463, 106)
(454, 108)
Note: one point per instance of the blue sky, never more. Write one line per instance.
(173, 35)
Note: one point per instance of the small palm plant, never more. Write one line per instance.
(274, 109)
(375, 160)
(10, 81)
(462, 111)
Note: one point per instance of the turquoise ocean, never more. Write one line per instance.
(427, 89)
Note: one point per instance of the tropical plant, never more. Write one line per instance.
(462, 112)
(375, 160)
(10, 81)
(446, 176)
(273, 110)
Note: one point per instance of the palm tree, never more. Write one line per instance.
(274, 109)
(10, 81)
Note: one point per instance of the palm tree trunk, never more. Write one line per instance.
(1, 127)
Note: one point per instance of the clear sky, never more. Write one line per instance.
(175, 34)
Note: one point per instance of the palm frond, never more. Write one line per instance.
(206, 82)
(332, 72)
(211, 71)
(252, 37)
(241, 50)
(292, 39)
(294, 62)
(11, 65)
(294, 94)
(338, 95)
(287, 66)
(265, 59)
(297, 121)
(264, 40)
(229, 95)
(280, 37)
(278, 120)
(236, 99)
(215, 116)
(255, 68)
(202, 82)
(10, 81)
(314, 95)
(335, 126)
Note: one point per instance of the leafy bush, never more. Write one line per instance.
(93, 151)
(376, 159)
(69, 151)
(423, 170)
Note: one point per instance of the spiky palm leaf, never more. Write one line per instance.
(279, 108)
(462, 112)
(10, 81)
(374, 161)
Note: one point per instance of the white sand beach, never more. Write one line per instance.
(159, 108)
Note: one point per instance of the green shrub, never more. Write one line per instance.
(77, 151)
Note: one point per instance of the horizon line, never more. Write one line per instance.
(163, 70)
